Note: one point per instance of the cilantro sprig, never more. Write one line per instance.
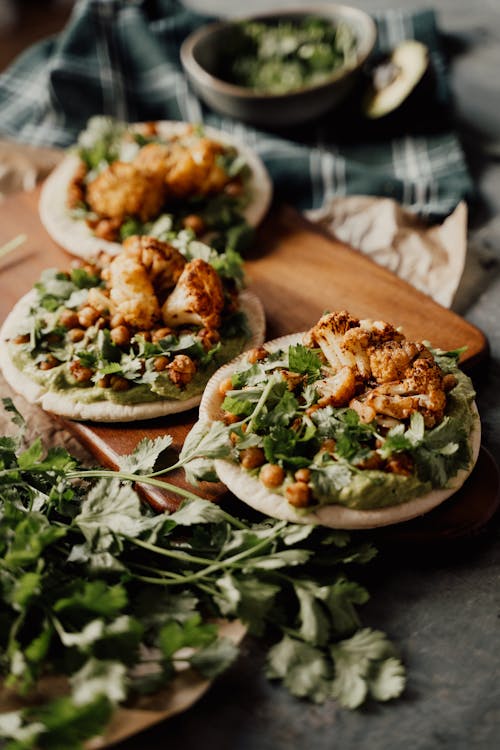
(94, 584)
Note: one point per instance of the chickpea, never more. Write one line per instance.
(76, 334)
(256, 354)
(302, 475)
(161, 363)
(101, 322)
(209, 337)
(298, 494)
(69, 318)
(225, 386)
(87, 316)
(329, 445)
(119, 383)
(120, 335)
(146, 335)
(107, 229)
(80, 373)
(230, 418)
(252, 457)
(194, 222)
(272, 475)
(49, 362)
(104, 382)
(160, 333)
(116, 320)
(233, 189)
(22, 339)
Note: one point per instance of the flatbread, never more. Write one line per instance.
(251, 491)
(76, 237)
(105, 411)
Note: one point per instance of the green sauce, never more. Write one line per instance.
(283, 56)
(59, 380)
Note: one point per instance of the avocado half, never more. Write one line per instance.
(396, 78)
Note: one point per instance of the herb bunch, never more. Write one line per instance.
(97, 588)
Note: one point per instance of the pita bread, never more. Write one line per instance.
(64, 405)
(76, 237)
(251, 491)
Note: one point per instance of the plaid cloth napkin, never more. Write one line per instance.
(121, 58)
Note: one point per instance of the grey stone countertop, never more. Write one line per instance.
(443, 611)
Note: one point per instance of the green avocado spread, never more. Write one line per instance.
(59, 379)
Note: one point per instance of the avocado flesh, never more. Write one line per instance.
(395, 80)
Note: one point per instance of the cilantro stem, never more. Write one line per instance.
(220, 565)
(260, 403)
(141, 478)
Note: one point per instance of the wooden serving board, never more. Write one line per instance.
(297, 271)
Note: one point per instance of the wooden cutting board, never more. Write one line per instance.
(298, 272)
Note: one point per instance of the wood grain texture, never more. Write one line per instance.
(297, 271)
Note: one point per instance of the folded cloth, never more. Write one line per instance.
(121, 58)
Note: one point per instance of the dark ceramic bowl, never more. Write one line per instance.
(201, 54)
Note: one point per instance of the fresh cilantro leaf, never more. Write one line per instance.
(304, 360)
(356, 659)
(215, 658)
(197, 511)
(83, 279)
(145, 455)
(207, 440)
(97, 679)
(192, 633)
(303, 669)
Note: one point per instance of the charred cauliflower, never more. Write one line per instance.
(371, 367)
(197, 299)
(122, 190)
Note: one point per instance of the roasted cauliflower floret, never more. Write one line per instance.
(421, 389)
(390, 360)
(197, 298)
(123, 190)
(343, 342)
(163, 262)
(187, 168)
(337, 390)
(181, 370)
(132, 293)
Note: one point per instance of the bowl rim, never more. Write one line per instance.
(327, 10)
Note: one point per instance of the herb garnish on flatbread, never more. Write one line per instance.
(153, 178)
(133, 336)
(350, 425)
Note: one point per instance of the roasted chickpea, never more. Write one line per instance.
(233, 189)
(49, 362)
(302, 475)
(76, 334)
(119, 383)
(80, 373)
(230, 418)
(120, 335)
(107, 229)
(160, 333)
(22, 339)
(104, 382)
(252, 457)
(116, 320)
(225, 386)
(194, 222)
(298, 494)
(87, 316)
(449, 381)
(161, 363)
(272, 475)
(256, 354)
(146, 335)
(69, 318)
